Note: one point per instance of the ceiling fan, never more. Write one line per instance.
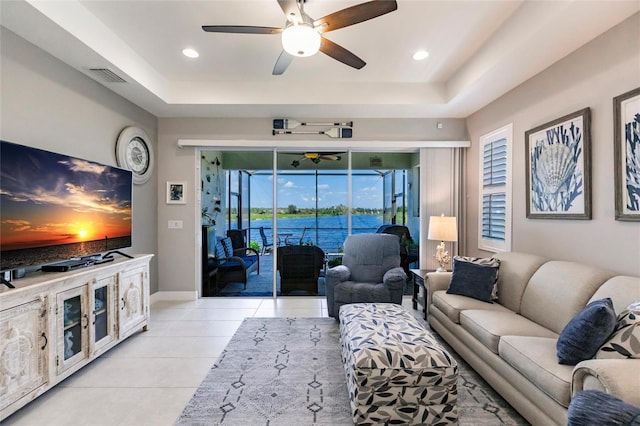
(315, 157)
(302, 35)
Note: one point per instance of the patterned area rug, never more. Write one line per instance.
(287, 371)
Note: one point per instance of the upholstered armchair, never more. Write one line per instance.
(370, 272)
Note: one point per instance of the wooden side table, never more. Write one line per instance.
(419, 290)
(417, 276)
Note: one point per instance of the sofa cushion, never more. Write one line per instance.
(515, 271)
(452, 304)
(474, 277)
(586, 332)
(558, 291)
(625, 340)
(534, 358)
(622, 289)
(489, 326)
(598, 408)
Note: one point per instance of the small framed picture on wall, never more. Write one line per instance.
(176, 193)
(626, 149)
(558, 168)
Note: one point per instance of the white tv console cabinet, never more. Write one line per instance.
(53, 324)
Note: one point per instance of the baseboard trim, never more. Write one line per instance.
(173, 295)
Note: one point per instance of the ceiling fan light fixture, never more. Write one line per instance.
(301, 40)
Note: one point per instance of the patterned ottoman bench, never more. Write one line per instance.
(396, 372)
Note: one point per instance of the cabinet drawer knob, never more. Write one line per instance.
(46, 341)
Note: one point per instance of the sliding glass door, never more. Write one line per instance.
(307, 199)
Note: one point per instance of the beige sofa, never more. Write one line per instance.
(512, 343)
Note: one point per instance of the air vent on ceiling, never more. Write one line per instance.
(107, 75)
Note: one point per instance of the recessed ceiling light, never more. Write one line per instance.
(420, 55)
(190, 53)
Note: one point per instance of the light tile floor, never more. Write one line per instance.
(149, 378)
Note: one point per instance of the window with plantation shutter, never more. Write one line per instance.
(494, 227)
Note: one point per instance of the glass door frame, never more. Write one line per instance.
(350, 146)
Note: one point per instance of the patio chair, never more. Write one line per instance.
(238, 239)
(266, 245)
(299, 268)
(408, 250)
(234, 265)
(295, 241)
(370, 272)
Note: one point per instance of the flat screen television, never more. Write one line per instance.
(54, 207)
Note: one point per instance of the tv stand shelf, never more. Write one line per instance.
(54, 323)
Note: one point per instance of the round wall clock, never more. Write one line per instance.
(134, 152)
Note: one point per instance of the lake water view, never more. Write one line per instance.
(328, 233)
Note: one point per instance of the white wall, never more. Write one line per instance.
(46, 104)
(590, 77)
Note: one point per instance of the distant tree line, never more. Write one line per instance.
(291, 210)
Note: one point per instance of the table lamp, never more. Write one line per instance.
(442, 228)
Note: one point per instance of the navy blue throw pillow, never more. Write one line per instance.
(592, 407)
(472, 280)
(586, 332)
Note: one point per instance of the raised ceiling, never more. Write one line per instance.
(478, 50)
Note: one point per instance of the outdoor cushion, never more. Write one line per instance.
(489, 326)
(248, 262)
(221, 253)
(228, 246)
(586, 332)
(534, 358)
(452, 304)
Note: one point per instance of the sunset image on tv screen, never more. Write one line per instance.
(52, 201)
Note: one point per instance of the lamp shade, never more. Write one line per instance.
(443, 228)
(301, 40)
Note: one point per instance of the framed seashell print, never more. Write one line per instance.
(626, 149)
(558, 167)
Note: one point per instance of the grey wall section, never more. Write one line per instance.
(177, 248)
(590, 77)
(46, 104)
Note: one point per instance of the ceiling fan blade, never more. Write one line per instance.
(282, 63)
(330, 157)
(291, 10)
(241, 29)
(354, 15)
(341, 54)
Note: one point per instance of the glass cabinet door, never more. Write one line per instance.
(103, 330)
(73, 323)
